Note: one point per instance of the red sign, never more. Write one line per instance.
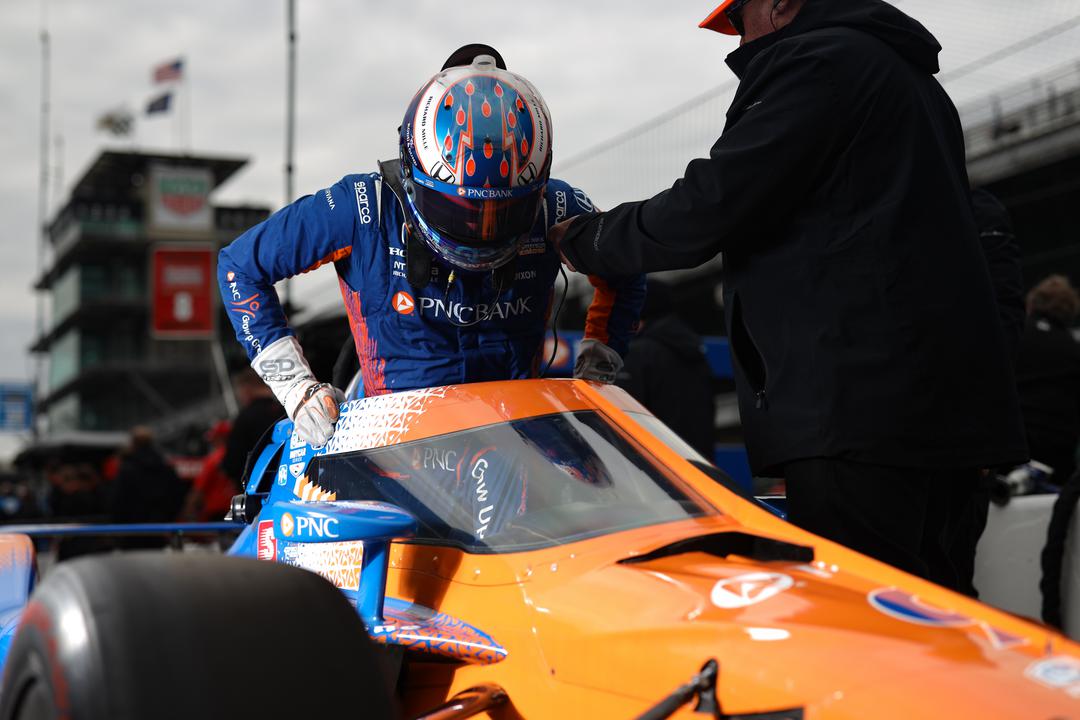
(182, 292)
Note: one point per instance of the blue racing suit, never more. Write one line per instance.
(462, 331)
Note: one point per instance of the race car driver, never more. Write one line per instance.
(442, 257)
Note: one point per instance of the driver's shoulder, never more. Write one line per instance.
(565, 201)
(363, 191)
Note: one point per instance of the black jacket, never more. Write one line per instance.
(1002, 254)
(1048, 375)
(859, 304)
(666, 371)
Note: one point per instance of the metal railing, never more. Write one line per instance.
(1038, 106)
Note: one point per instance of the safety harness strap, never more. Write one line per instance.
(417, 255)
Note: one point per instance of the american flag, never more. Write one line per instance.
(172, 70)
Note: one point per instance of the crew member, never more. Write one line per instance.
(870, 364)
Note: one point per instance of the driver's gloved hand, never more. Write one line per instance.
(596, 361)
(312, 405)
(315, 416)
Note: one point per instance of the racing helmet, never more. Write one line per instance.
(557, 441)
(475, 149)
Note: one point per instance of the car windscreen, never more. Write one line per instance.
(515, 486)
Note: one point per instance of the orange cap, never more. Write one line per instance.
(718, 21)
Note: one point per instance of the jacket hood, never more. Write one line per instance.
(902, 33)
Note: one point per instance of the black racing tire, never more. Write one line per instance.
(154, 635)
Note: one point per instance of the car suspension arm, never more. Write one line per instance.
(468, 703)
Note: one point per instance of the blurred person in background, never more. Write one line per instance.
(666, 371)
(17, 502)
(1048, 375)
(146, 489)
(259, 410)
(75, 492)
(82, 496)
(211, 491)
(442, 256)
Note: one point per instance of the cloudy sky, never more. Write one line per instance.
(604, 66)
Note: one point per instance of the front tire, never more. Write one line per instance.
(148, 635)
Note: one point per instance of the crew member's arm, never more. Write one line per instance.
(1002, 253)
(314, 230)
(768, 158)
(610, 323)
(612, 317)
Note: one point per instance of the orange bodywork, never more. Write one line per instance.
(589, 637)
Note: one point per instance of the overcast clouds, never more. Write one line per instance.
(603, 66)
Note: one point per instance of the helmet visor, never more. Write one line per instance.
(477, 216)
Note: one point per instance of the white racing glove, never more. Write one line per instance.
(596, 361)
(312, 406)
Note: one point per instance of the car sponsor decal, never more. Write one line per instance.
(403, 302)
(287, 525)
(561, 350)
(338, 562)
(267, 544)
(560, 205)
(363, 204)
(282, 475)
(909, 608)
(308, 527)
(1059, 673)
(533, 247)
(467, 315)
(583, 201)
(749, 589)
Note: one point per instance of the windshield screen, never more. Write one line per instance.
(521, 485)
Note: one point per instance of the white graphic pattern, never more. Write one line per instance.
(378, 421)
(338, 562)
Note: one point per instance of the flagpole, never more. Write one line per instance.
(178, 124)
(58, 166)
(290, 115)
(184, 73)
(43, 198)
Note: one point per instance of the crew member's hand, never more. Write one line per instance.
(555, 235)
(312, 406)
(596, 361)
(317, 412)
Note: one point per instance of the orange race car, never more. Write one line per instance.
(548, 549)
